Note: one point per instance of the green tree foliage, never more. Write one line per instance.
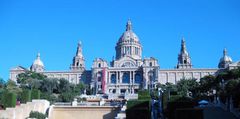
(186, 85)
(9, 99)
(79, 88)
(2, 86)
(64, 86)
(24, 78)
(37, 115)
(51, 89)
(52, 98)
(229, 74)
(66, 97)
(25, 96)
(208, 84)
(2, 83)
(34, 84)
(35, 94)
(49, 86)
(12, 87)
(232, 87)
(144, 95)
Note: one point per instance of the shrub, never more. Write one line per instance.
(35, 94)
(179, 103)
(144, 95)
(25, 96)
(66, 97)
(9, 99)
(48, 96)
(138, 109)
(189, 113)
(37, 115)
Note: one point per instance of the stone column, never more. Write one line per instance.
(130, 77)
(133, 81)
(120, 77)
(117, 77)
(109, 77)
(167, 76)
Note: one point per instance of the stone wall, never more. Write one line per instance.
(23, 111)
(83, 112)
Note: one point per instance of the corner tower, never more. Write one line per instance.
(128, 44)
(225, 60)
(184, 60)
(78, 63)
(37, 65)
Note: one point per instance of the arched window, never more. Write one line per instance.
(99, 65)
(151, 76)
(138, 78)
(185, 61)
(99, 76)
(113, 79)
(150, 64)
(77, 63)
(126, 78)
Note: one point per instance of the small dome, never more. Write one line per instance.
(38, 62)
(225, 57)
(225, 60)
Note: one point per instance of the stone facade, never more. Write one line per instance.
(128, 72)
(22, 111)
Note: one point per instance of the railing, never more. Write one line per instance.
(235, 111)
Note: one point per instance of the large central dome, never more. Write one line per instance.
(128, 35)
(128, 44)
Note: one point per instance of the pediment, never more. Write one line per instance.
(19, 68)
(126, 62)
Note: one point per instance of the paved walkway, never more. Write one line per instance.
(217, 113)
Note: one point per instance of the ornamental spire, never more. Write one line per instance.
(79, 49)
(183, 46)
(129, 25)
(225, 52)
(38, 56)
(184, 60)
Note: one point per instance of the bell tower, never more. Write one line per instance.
(184, 60)
(78, 63)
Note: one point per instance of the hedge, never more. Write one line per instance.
(178, 104)
(138, 109)
(37, 115)
(189, 113)
(144, 95)
(35, 94)
(9, 99)
(25, 96)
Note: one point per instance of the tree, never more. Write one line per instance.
(34, 84)
(208, 83)
(49, 85)
(79, 88)
(12, 87)
(37, 115)
(64, 86)
(66, 97)
(186, 85)
(24, 78)
(232, 87)
(2, 83)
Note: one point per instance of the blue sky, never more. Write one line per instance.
(54, 27)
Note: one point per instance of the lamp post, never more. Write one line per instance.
(151, 81)
(214, 94)
(160, 101)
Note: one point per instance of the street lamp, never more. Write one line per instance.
(160, 101)
(150, 74)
